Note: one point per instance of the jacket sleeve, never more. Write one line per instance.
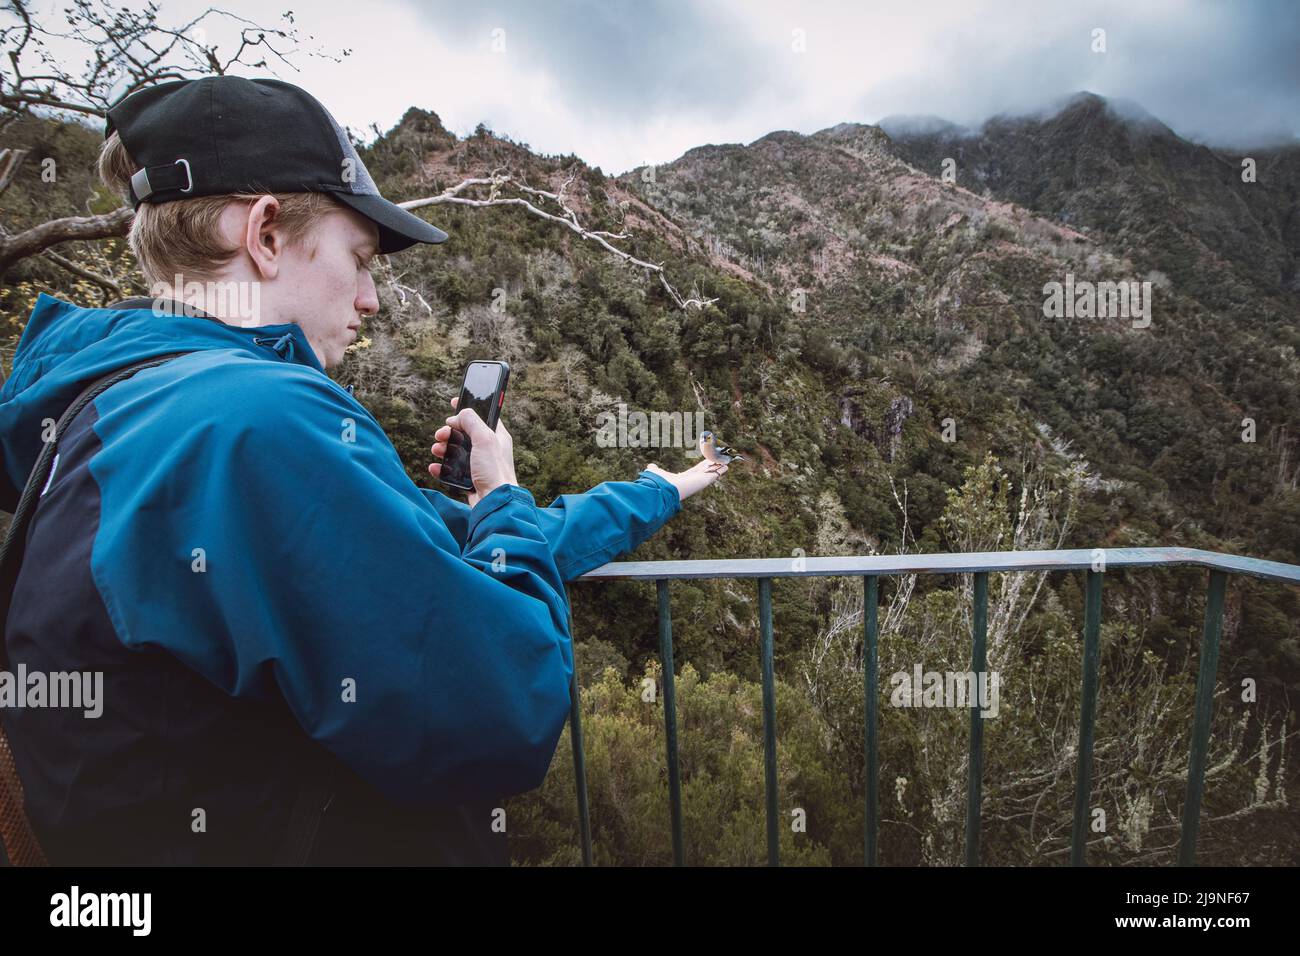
(439, 672)
(585, 531)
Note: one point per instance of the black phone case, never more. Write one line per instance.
(494, 415)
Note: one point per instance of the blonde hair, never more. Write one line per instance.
(181, 236)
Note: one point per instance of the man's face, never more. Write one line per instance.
(329, 288)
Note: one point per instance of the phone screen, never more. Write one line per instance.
(480, 388)
(481, 391)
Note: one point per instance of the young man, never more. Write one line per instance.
(304, 656)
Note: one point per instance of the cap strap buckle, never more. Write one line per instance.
(155, 179)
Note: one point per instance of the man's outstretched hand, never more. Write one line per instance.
(687, 482)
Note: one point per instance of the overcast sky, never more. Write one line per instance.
(623, 82)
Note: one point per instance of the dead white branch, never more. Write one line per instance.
(499, 179)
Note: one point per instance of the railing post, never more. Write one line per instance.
(670, 718)
(769, 717)
(579, 754)
(1091, 663)
(973, 781)
(1209, 666)
(871, 687)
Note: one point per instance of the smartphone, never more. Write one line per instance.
(483, 390)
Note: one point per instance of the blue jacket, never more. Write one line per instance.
(232, 540)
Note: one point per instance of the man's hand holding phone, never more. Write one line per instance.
(492, 455)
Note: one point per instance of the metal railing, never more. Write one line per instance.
(1094, 562)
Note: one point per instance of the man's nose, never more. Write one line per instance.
(367, 296)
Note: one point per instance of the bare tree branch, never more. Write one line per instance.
(568, 218)
(126, 50)
(104, 282)
(10, 160)
(40, 238)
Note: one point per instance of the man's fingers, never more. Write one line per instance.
(455, 401)
(474, 427)
(440, 439)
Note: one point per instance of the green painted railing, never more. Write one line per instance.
(1094, 563)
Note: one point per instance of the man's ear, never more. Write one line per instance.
(263, 239)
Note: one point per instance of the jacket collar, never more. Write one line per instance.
(287, 339)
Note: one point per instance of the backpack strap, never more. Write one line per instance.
(21, 848)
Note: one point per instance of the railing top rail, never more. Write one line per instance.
(1081, 559)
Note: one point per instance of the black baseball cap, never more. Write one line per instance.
(224, 134)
